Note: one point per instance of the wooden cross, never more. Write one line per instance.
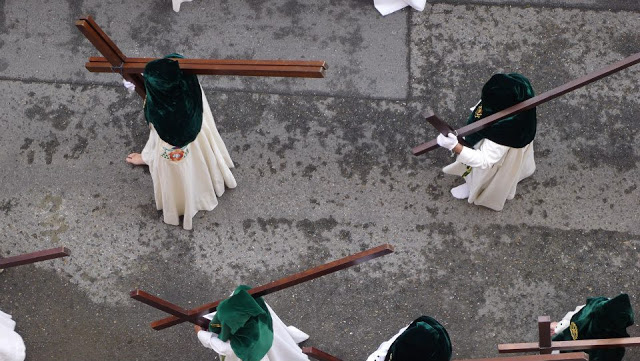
(523, 106)
(194, 316)
(545, 345)
(114, 61)
(34, 257)
(574, 356)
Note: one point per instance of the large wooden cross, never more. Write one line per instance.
(33, 257)
(114, 61)
(546, 346)
(180, 315)
(445, 128)
(573, 356)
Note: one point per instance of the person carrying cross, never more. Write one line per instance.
(425, 339)
(188, 161)
(246, 329)
(502, 154)
(599, 318)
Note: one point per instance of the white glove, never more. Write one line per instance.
(449, 142)
(129, 85)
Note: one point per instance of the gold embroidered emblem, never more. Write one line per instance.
(478, 113)
(574, 330)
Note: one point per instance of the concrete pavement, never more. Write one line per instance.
(324, 170)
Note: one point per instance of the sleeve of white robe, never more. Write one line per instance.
(147, 152)
(485, 157)
(381, 352)
(12, 346)
(211, 340)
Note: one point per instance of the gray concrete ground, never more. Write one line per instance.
(324, 170)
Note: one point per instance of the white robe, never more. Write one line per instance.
(381, 352)
(11, 345)
(496, 171)
(189, 179)
(284, 348)
(386, 7)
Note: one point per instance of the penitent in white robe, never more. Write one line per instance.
(495, 171)
(189, 179)
(381, 353)
(284, 348)
(11, 345)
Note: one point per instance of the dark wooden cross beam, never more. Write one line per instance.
(545, 345)
(194, 316)
(573, 356)
(533, 102)
(318, 355)
(34, 257)
(114, 61)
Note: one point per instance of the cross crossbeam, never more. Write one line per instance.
(535, 101)
(180, 315)
(574, 356)
(114, 61)
(34, 257)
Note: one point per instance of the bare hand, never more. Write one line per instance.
(197, 328)
(553, 328)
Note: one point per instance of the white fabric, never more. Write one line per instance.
(285, 342)
(496, 171)
(564, 323)
(386, 7)
(485, 157)
(461, 192)
(128, 85)
(566, 320)
(176, 4)
(381, 352)
(11, 344)
(191, 184)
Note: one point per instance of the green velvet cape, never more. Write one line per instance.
(174, 101)
(601, 318)
(424, 340)
(246, 322)
(501, 92)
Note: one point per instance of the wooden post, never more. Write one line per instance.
(106, 47)
(544, 334)
(535, 101)
(195, 315)
(34, 257)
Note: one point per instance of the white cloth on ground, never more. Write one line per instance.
(176, 4)
(381, 352)
(386, 7)
(284, 348)
(11, 344)
(496, 171)
(189, 179)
